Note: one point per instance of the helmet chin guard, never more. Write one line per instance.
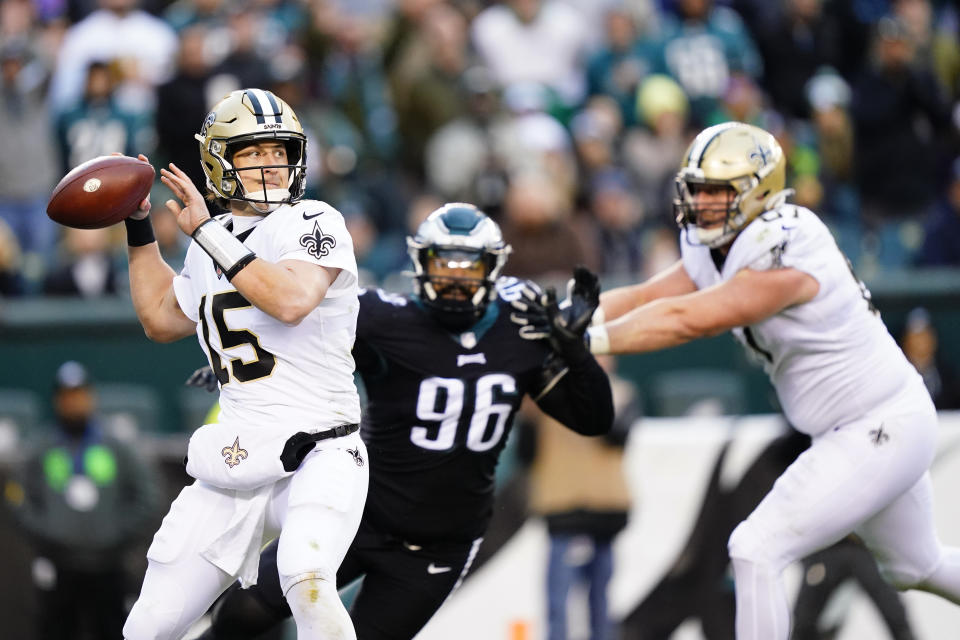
(461, 238)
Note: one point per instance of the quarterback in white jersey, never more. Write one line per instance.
(282, 374)
(270, 289)
(771, 273)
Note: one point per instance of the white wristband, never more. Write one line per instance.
(226, 250)
(599, 317)
(599, 340)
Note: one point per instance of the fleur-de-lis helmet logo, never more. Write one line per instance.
(209, 120)
(760, 156)
(233, 455)
(317, 243)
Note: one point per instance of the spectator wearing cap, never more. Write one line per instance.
(81, 499)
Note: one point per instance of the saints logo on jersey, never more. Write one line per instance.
(233, 455)
(357, 456)
(776, 255)
(317, 243)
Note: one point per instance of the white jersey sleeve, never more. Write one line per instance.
(785, 237)
(831, 359)
(316, 232)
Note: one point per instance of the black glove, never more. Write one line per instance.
(203, 378)
(542, 317)
(583, 298)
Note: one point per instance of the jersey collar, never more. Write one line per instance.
(469, 338)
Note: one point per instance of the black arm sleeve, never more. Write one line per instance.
(578, 395)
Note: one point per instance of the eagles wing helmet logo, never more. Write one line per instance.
(317, 243)
(233, 455)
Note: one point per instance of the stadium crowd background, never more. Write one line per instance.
(563, 119)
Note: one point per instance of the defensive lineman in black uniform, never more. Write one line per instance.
(445, 371)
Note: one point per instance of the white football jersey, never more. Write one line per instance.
(270, 373)
(831, 359)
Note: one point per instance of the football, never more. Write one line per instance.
(100, 192)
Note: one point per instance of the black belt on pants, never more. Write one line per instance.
(334, 432)
(301, 443)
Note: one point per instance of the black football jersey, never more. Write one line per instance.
(439, 409)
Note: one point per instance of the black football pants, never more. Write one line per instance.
(404, 583)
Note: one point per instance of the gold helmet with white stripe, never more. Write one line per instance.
(248, 116)
(740, 156)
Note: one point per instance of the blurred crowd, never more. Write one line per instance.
(564, 120)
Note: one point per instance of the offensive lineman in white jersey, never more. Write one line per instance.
(772, 273)
(270, 289)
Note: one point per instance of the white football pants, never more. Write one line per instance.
(869, 477)
(316, 513)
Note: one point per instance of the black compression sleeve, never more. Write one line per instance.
(581, 399)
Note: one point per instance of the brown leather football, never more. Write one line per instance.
(100, 192)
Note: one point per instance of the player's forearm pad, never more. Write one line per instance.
(226, 250)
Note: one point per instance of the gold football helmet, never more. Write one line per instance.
(740, 156)
(242, 117)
